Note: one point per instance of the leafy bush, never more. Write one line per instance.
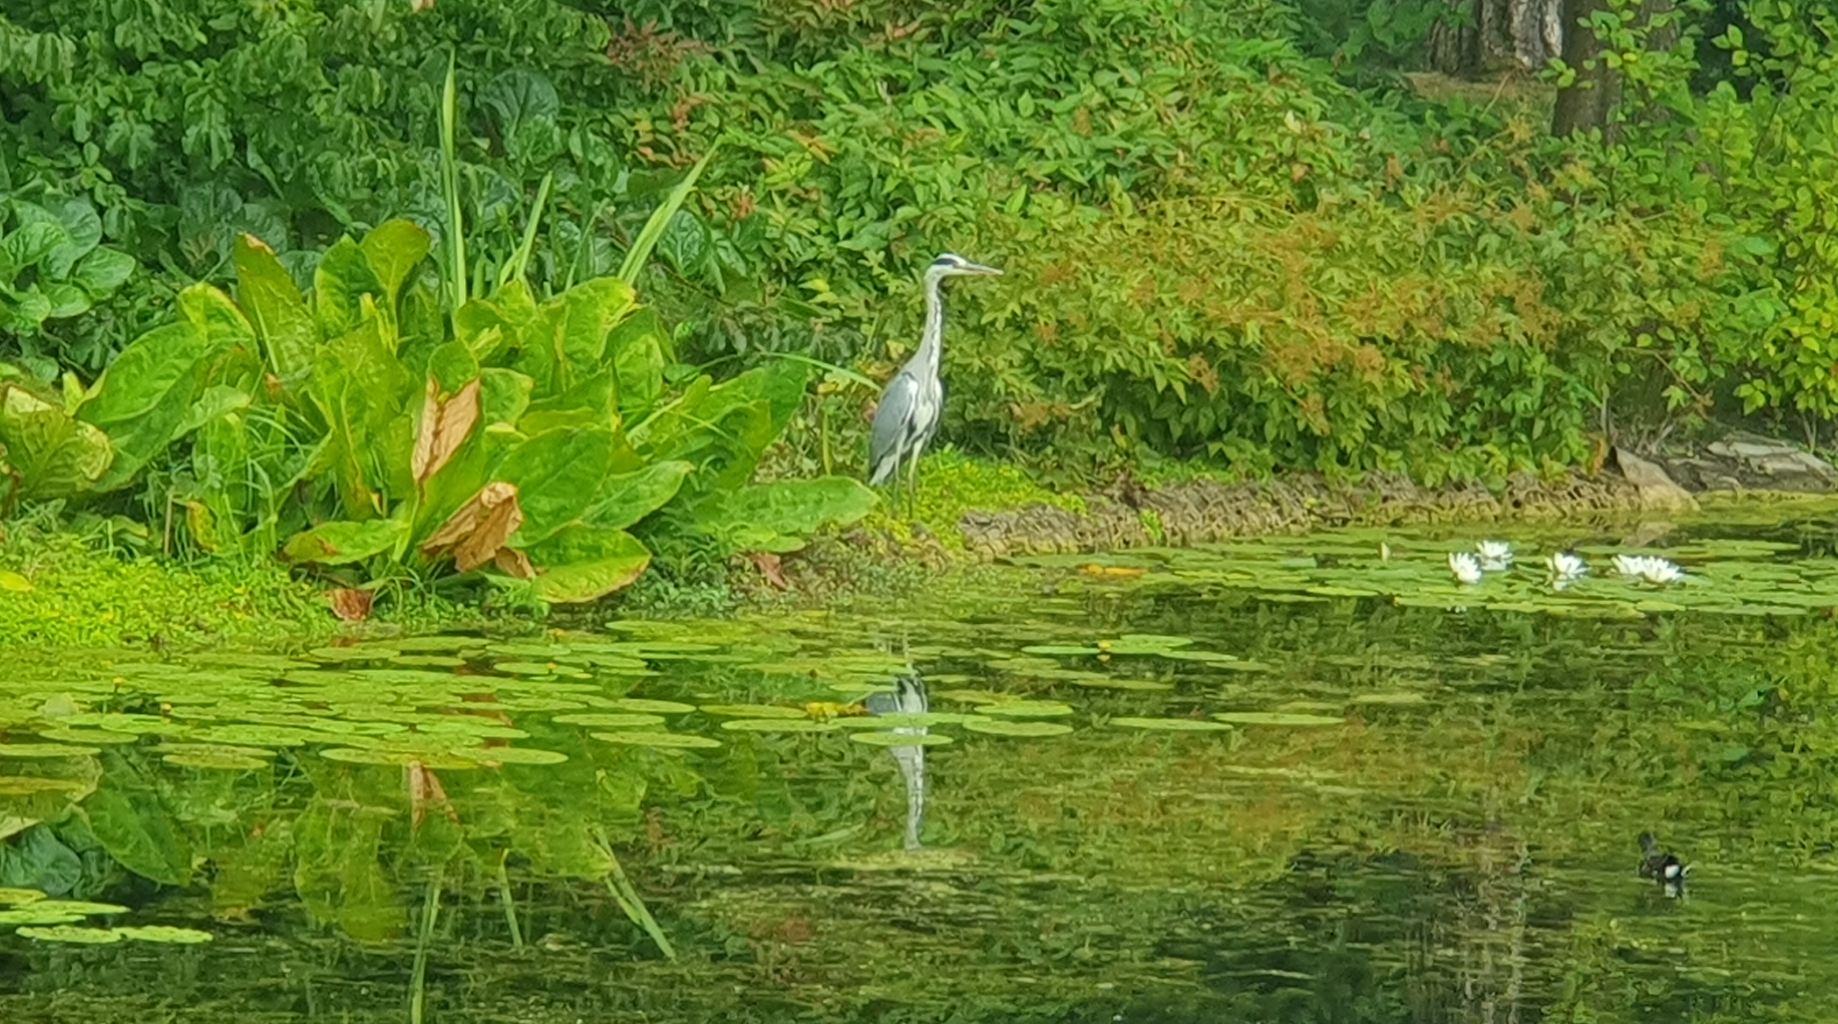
(52, 267)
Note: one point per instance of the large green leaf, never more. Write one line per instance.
(723, 428)
(340, 282)
(567, 343)
(586, 405)
(626, 498)
(361, 388)
(145, 396)
(557, 475)
(490, 327)
(344, 542)
(283, 323)
(137, 831)
(395, 248)
(582, 563)
(53, 454)
(778, 516)
(640, 350)
(338, 875)
(216, 317)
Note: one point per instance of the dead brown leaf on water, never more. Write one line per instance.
(351, 604)
(1114, 570)
(476, 534)
(771, 567)
(444, 427)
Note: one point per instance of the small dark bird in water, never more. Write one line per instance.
(1662, 867)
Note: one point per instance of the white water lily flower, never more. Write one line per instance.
(1495, 555)
(1648, 568)
(1658, 570)
(1465, 568)
(1565, 566)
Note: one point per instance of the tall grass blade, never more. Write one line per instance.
(630, 902)
(520, 260)
(449, 179)
(424, 939)
(640, 253)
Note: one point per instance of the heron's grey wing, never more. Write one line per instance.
(893, 427)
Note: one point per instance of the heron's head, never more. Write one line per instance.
(953, 265)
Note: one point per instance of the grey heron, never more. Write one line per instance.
(907, 698)
(907, 416)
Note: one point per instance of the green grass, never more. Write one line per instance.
(951, 484)
(62, 588)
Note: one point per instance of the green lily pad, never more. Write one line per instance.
(1276, 718)
(779, 725)
(26, 785)
(45, 750)
(341, 654)
(1027, 709)
(753, 711)
(1398, 697)
(1062, 650)
(539, 668)
(896, 720)
(894, 739)
(425, 758)
(651, 707)
(218, 761)
(436, 643)
(97, 737)
(606, 721)
(973, 696)
(18, 897)
(1170, 724)
(34, 915)
(516, 755)
(259, 753)
(1109, 683)
(427, 661)
(73, 934)
(166, 934)
(1002, 727)
(661, 740)
(83, 907)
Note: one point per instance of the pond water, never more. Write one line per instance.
(1298, 779)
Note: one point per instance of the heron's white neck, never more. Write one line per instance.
(931, 342)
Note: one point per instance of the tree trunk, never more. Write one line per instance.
(1479, 36)
(1584, 103)
(1589, 102)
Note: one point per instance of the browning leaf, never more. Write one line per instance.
(477, 532)
(512, 562)
(444, 427)
(351, 604)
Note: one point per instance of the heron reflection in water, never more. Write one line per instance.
(908, 698)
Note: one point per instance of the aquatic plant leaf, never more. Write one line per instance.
(393, 249)
(778, 725)
(53, 454)
(138, 831)
(427, 757)
(1276, 718)
(753, 711)
(585, 563)
(647, 706)
(45, 750)
(166, 934)
(515, 755)
(666, 740)
(283, 324)
(144, 397)
(33, 915)
(72, 934)
(894, 739)
(1063, 650)
(1027, 709)
(445, 425)
(215, 761)
(19, 897)
(556, 475)
(343, 542)
(776, 517)
(602, 721)
(625, 498)
(475, 534)
(1000, 727)
(1169, 724)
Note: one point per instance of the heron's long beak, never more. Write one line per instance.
(978, 268)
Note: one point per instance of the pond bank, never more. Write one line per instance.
(60, 589)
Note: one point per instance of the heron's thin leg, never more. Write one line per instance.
(912, 480)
